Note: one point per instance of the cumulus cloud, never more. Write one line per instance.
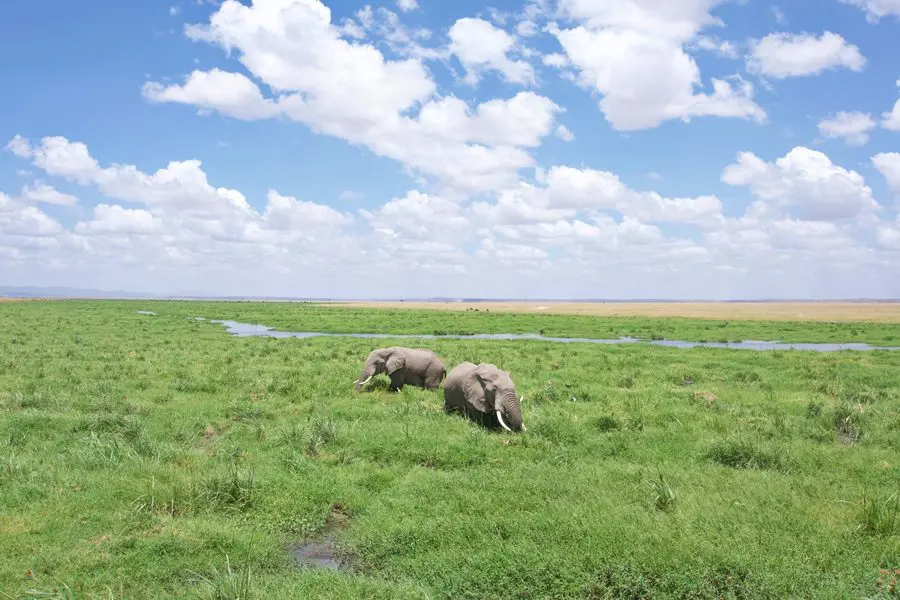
(633, 54)
(480, 46)
(113, 219)
(40, 192)
(781, 55)
(179, 214)
(888, 164)
(853, 127)
(891, 119)
(233, 94)
(584, 229)
(804, 182)
(351, 91)
(877, 9)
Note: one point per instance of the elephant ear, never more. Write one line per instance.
(394, 363)
(473, 386)
(487, 376)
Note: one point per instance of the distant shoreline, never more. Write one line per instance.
(856, 310)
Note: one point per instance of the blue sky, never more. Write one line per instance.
(340, 151)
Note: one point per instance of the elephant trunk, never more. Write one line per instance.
(511, 412)
(367, 373)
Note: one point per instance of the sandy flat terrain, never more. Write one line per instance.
(882, 312)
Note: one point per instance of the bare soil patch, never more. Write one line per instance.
(874, 312)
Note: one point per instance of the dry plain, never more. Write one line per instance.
(872, 312)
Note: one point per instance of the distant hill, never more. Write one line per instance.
(65, 292)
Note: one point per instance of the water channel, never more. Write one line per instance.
(239, 329)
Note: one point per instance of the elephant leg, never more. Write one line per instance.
(398, 378)
(433, 377)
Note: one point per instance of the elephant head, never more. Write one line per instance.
(376, 363)
(499, 393)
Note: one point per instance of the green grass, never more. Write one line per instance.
(159, 457)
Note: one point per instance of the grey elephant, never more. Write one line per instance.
(405, 366)
(484, 393)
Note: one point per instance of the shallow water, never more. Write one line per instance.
(251, 330)
(322, 553)
(145, 312)
(318, 554)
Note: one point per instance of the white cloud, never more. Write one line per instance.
(350, 91)
(115, 220)
(351, 196)
(891, 119)
(877, 9)
(888, 236)
(563, 133)
(779, 15)
(888, 164)
(581, 231)
(480, 46)
(803, 181)
(781, 55)
(555, 59)
(419, 216)
(232, 94)
(47, 194)
(722, 48)
(632, 54)
(566, 191)
(24, 222)
(189, 219)
(407, 5)
(853, 127)
(677, 21)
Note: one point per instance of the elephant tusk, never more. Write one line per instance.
(363, 382)
(500, 418)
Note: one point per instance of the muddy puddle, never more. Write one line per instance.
(239, 329)
(322, 552)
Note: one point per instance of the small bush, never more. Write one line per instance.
(743, 455)
(607, 423)
(814, 409)
(846, 424)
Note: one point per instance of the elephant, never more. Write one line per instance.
(484, 393)
(405, 366)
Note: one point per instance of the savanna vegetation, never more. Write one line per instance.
(156, 456)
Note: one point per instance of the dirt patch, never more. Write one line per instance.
(322, 552)
(873, 312)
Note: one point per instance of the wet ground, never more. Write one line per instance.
(248, 330)
(321, 552)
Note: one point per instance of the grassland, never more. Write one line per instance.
(144, 456)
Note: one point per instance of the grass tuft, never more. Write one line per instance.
(881, 516)
(664, 495)
(229, 584)
(744, 454)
